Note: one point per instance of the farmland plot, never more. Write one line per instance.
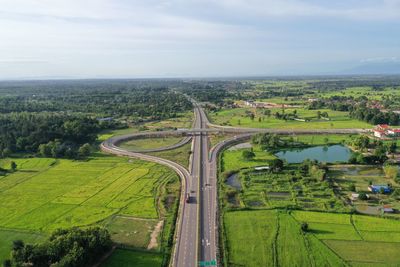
(274, 238)
(46, 194)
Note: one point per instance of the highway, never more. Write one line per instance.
(208, 197)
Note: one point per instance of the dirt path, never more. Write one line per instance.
(153, 237)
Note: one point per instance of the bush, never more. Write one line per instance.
(362, 196)
(352, 187)
(248, 155)
(304, 227)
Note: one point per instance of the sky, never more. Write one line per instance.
(195, 38)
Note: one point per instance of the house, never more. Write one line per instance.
(394, 132)
(382, 127)
(380, 133)
(249, 103)
(386, 209)
(377, 189)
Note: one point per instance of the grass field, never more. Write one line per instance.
(232, 159)
(129, 258)
(183, 120)
(45, 194)
(149, 143)
(179, 155)
(321, 139)
(364, 91)
(237, 117)
(130, 231)
(274, 238)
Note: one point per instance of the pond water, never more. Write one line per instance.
(365, 171)
(335, 153)
(234, 181)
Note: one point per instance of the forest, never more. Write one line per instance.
(63, 118)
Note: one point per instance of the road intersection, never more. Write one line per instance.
(196, 235)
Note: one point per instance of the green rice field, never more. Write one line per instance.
(46, 194)
(128, 258)
(272, 236)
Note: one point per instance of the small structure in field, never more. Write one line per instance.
(262, 168)
(380, 188)
(386, 209)
(249, 103)
(356, 196)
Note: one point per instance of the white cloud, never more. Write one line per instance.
(381, 60)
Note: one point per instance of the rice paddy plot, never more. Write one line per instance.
(272, 238)
(66, 193)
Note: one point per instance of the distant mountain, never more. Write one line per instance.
(376, 68)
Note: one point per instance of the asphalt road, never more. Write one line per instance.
(208, 198)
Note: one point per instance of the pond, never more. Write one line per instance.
(234, 181)
(329, 154)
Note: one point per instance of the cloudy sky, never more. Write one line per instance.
(194, 38)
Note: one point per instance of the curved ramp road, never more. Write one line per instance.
(186, 231)
(196, 240)
(116, 140)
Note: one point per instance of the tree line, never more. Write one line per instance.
(360, 109)
(64, 248)
(55, 135)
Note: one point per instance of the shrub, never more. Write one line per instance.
(304, 227)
